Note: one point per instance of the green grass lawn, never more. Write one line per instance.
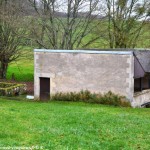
(23, 68)
(73, 126)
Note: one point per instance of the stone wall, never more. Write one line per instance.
(81, 71)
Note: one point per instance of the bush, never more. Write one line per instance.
(108, 98)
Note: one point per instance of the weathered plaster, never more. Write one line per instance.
(97, 72)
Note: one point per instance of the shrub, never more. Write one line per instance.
(108, 98)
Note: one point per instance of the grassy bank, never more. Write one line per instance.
(62, 125)
(23, 68)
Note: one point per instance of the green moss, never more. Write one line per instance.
(11, 89)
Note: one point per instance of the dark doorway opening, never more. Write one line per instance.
(138, 85)
(142, 83)
(44, 89)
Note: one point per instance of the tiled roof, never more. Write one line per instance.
(144, 58)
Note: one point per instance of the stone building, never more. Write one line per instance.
(124, 72)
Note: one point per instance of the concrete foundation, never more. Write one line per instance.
(141, 98)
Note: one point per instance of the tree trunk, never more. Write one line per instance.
(3, 69)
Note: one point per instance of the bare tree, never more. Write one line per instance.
(64, 24)
(126, 19)
(10, 34)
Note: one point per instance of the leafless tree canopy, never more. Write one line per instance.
(126, 19)
(65, 24)
(51, 30)
(10, 31)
